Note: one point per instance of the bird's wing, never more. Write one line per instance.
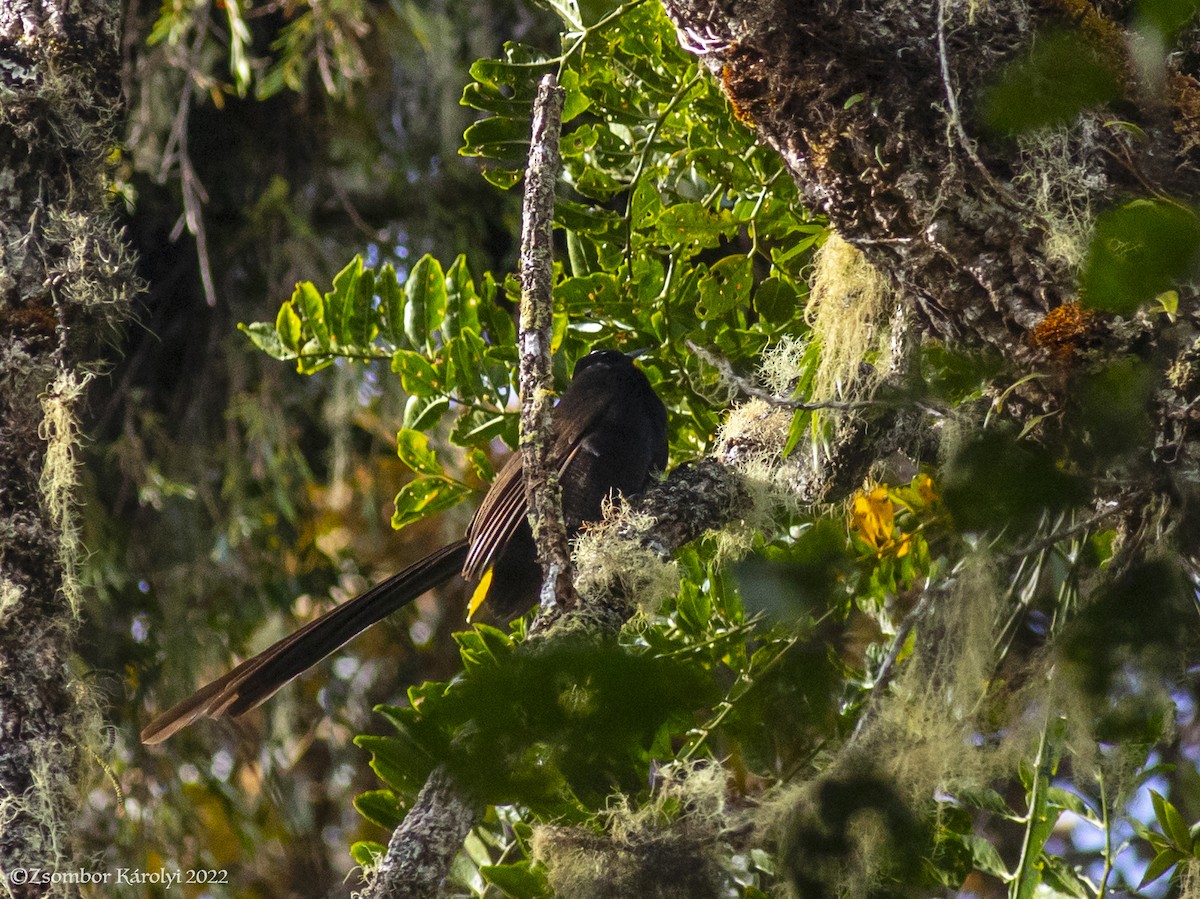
(503, 508)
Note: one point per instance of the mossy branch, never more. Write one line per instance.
(542, 490)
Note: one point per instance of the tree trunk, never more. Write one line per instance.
(875, 109)
(65, 279)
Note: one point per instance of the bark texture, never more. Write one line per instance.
(874, 107)
(65, 278)
(543, 494)
(423, 846)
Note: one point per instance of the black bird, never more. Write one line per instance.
(610, 436)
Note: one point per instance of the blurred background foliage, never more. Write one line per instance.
(337, 178)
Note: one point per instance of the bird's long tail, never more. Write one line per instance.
(257, 679)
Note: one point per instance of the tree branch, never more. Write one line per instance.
(543, 494)
(422, 848)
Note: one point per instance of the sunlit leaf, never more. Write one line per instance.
(414, 451)
(425, 496)
(380, 807)
(417, 376)
(425, 301)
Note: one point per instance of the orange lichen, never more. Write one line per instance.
(1063, 330)
(744, 77)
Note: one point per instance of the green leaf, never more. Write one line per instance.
(1114, 408)
(776, 300)
(563, 726)
(481, 465)
(380, 807)
(399, 760)
(593, 220)
(367, 852)
(462, 302)
(479, 425)
(726, 286)
(994, 481)
(1160, 865)
(1060, 78)
(1171, 822)
(311, 306)
(1063, 879)
(576, 101)
(693, 611)
(505, 179)
(421, 413)
(287, 326)
(348, 310)
(425, 301)
(582, 254)
(645, 205)
(1166, 16)
(1067, 800)
(1138, 251)
(490, 98)
(694, 226)
(588, 295)
(417, 376)
(483, 647)
(266, 338)
(425, 496)
(501, 139)
(413, 449)
(391, 306)
(465, 354)
(520, 880)
(983, 798)
(800, 428)
(358, 322)
(985, 857)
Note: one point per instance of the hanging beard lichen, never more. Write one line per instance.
(847, 307)
(865, 818)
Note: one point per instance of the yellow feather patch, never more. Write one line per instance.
(480, 594)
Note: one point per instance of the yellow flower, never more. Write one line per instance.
(924, 485)
(873, 516)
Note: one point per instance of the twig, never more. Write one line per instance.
(952, 101)
(746, 386)
(1074, 530)
(194, 194)
(542, 492)
(888, 668)
(423, 847)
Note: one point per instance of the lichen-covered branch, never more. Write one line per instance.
(981, 237)
(874, 109)
(423, 846)
(65, 281)
(542, 490)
